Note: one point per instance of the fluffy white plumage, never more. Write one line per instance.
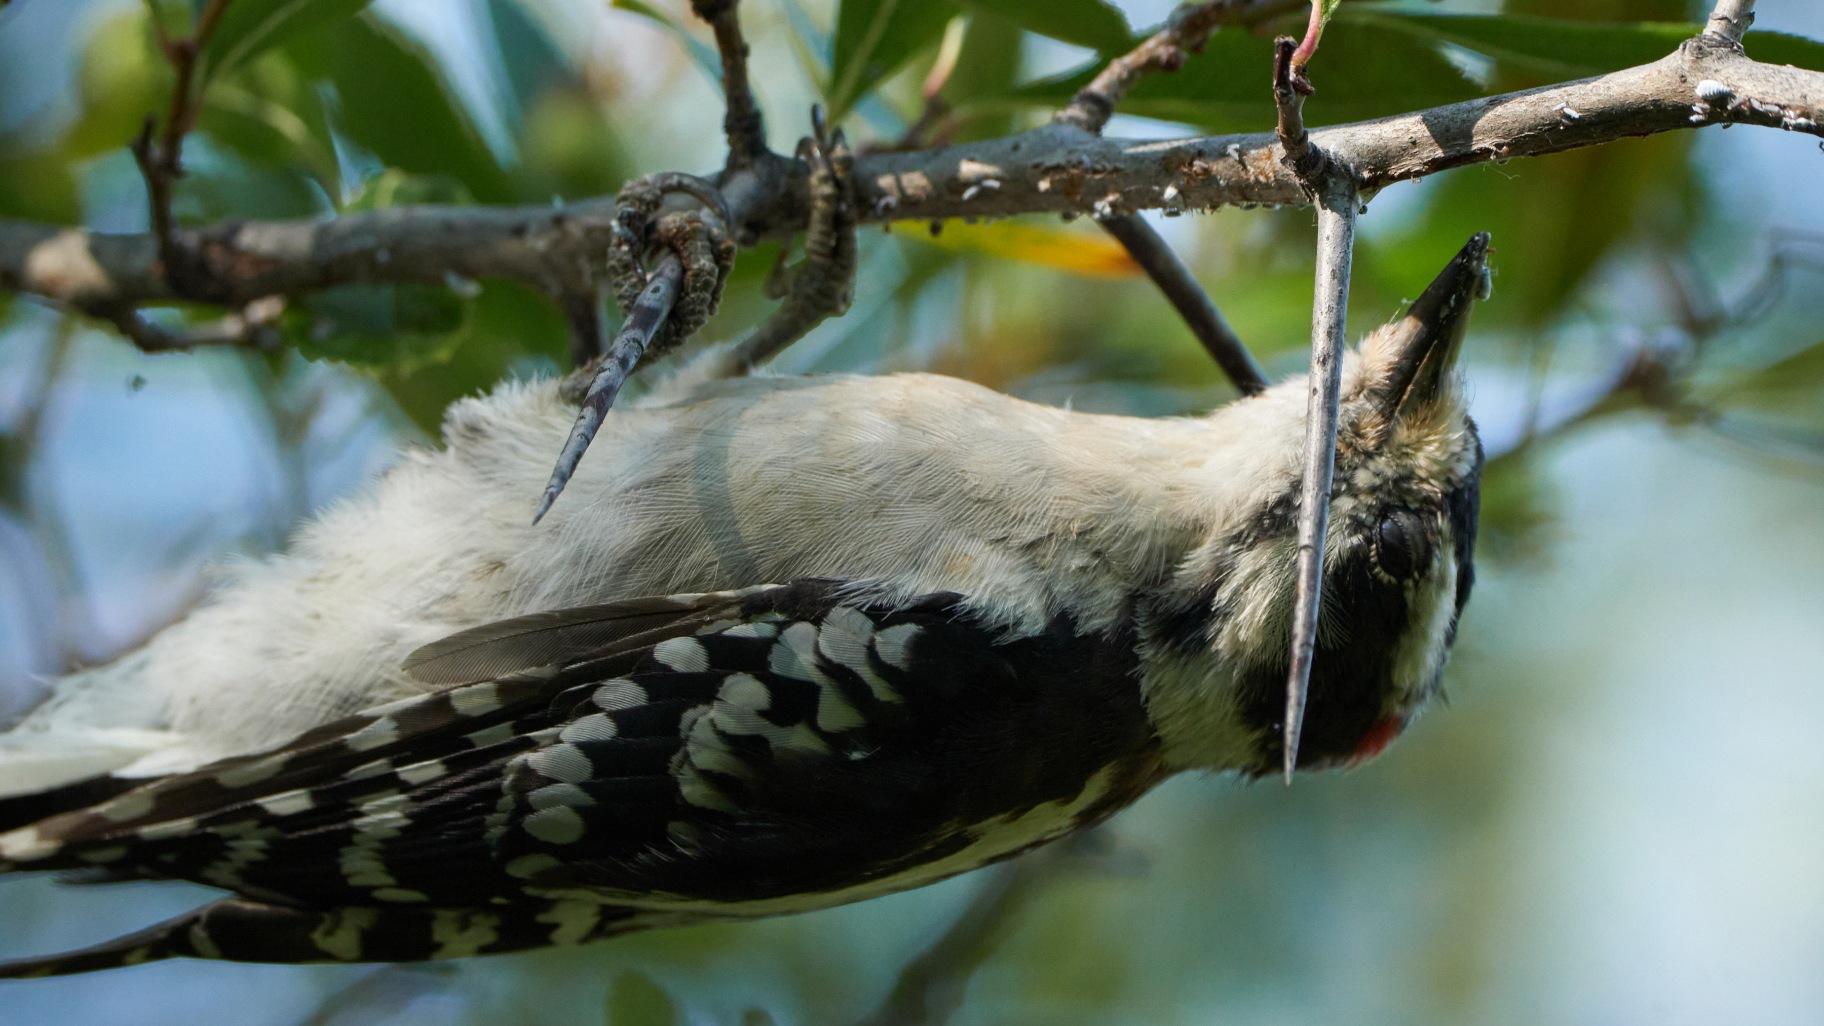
(915, 482)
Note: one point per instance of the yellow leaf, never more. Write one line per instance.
(1091, 254)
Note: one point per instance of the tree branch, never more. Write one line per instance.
(1730, 20)
(159, 155)
(741, 120)
(255, 326)
(1048, 170)
(1187, 30)
(1183, 33)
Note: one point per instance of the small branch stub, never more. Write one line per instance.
(1184, 33)
(1307, 161)
(1730, 20)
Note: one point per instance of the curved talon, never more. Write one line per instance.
(817, 124)
(700, 189)
(823, 283)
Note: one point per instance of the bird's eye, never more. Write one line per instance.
(1402, 547)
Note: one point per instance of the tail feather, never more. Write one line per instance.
(33, 761)
(238, 930)
(25, 809)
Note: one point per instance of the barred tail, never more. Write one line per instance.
(238, 930)
(23, 810)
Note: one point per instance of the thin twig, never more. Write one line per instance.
(1307, 47)
(1186, 30)
(1730, 20)
(1640, 371)
(156, 169)
(742, 120)
(254, 326)
(160, 159)
(643, 322)
(1336, 210)
(1192, 303)
(934, 125)
(823, 284)
(929, 987)
(1306, 160)
(1659, 376)
(583, 315)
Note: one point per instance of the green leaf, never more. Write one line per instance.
(249, 27)
(1556, 48)
(510, 329)
(634, 1000)
(701, 53)
(874, 39)
(395, 188)
(811, 43)
(1367, 71)
(392, 101)
(121, 77)
(1095, 24)
(396, 326)
(265, 131)
(399, 327)
(1788, 386)
(533, 62)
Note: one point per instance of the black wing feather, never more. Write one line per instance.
(780, 741)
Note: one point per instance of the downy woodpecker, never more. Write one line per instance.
(789, 643)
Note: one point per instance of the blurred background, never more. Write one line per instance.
(1617, 817)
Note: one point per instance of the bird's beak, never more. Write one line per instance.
(1426, 340)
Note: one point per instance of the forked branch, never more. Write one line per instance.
(1184, 32)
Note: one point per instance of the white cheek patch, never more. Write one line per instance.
(1257, 596)
(1433, 603)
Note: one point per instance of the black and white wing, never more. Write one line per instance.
(590, 771)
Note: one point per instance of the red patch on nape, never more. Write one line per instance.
(1377, 738)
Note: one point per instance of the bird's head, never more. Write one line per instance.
(1398, 556)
